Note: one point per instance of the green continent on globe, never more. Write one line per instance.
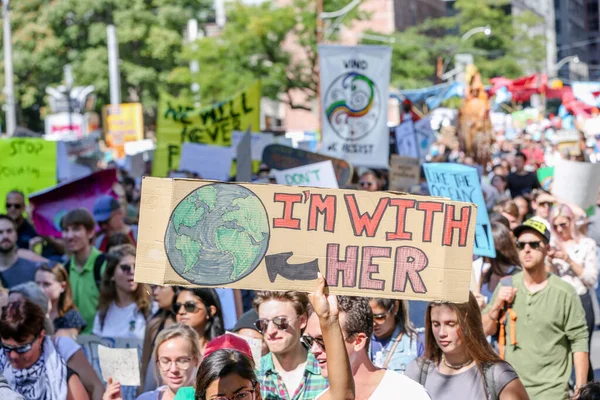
(217, 234)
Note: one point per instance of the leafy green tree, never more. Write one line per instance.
(274, 44)
(49, 34)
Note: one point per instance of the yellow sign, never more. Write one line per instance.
(123, 123)
(27, 165)
(178, 122)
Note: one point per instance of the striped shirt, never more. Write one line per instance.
(272, 386)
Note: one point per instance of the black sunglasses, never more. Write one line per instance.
(282, 323)
(534, 245)
(308, 341)
(14, 205)
(127, 268)
(24, 348)
(188, 306)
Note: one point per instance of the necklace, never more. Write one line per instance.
(456, 366)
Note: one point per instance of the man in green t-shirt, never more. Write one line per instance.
(86, 265)
(550, 325)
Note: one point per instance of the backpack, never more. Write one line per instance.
(97, 269)
(488, 375)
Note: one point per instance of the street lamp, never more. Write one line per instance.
(487, 30)
(561, 63)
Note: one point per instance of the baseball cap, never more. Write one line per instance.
(104, 206)
(228, 341)
(247, 321)
(536, 224)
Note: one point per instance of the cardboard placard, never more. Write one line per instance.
(210, 162)
(576, 183)
(415, 139)
(179, 122)
(404, 173)
(26, 165)
(250, 236)
(315, 175)
(120, 364)
(281, 157)
(461, 183)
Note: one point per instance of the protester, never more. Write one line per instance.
(394, 342)
(110, 217)
(246, 326)
(369, 182)
(55, 284)
(29, 360)
(489, 271)
(510, 211)
(15, 209)
(549, 331)
(13, 269)
(118, 239)
(124, 304)
(521, 182)
(501, 185)
(164, 296)
(524, 208)
(289, 371)
(86, 265)
(177, 355)
(6, 393)
(371, 382)
(542, 203)
(458, 359)
(574, 260)
(201, 310)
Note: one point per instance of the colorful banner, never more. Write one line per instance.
(122, 123)
(354, 97)
(179, 122)
(273, 237)
(51, 205)
(27, 165)
(461, 183)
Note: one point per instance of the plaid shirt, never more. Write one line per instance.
(273, 388)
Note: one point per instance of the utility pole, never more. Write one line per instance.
(9, 84)
(113, 65)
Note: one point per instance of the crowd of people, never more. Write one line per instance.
(524, 333)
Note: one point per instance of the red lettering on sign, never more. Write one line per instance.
(347, 267)
(430, 208)
(462, 224)
(403, 205)
(326, 206)
(409, 262)
(368, 268)
(288, 201)
(364, 222)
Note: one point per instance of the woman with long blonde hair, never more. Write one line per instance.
(458, 362)
(124, 304)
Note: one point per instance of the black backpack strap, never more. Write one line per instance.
(425, 364)
(490, 385)
(98, 269)
(67, 267)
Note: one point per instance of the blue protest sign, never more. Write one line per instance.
(461, 183)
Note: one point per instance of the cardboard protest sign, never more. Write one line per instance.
(354, 84)
(281, 157)
(210, 162)
(120, 364)
(576, 183)
(179, 122)
(404, 173)
(316, 175)
(122, 123)
(258, 143)
(415, 139)
(26, 165)
(49, 206)
(251, 236)
(90, 345)
(545, 176)
(461, 183)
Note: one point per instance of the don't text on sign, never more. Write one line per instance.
(279, 237)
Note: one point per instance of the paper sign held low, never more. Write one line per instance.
(248, 236)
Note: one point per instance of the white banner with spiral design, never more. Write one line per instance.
(354, 92)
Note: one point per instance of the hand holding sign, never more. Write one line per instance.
(120, 364)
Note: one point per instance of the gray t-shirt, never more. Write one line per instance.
(22, 271)
(466, 385)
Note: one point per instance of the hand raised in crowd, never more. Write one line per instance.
(113, 390)
(325, 305)
(558, 253)
(506, 295)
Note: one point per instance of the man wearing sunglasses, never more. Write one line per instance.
(15, 208)
(14, 270)
(288, 371)
(550, 329)
(356, 320)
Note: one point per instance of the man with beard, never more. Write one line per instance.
(14, 270)
(15, 208)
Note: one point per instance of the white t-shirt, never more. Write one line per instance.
(127, 322)
(65, 346)
(394, 385)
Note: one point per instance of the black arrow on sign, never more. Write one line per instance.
(277, 264)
